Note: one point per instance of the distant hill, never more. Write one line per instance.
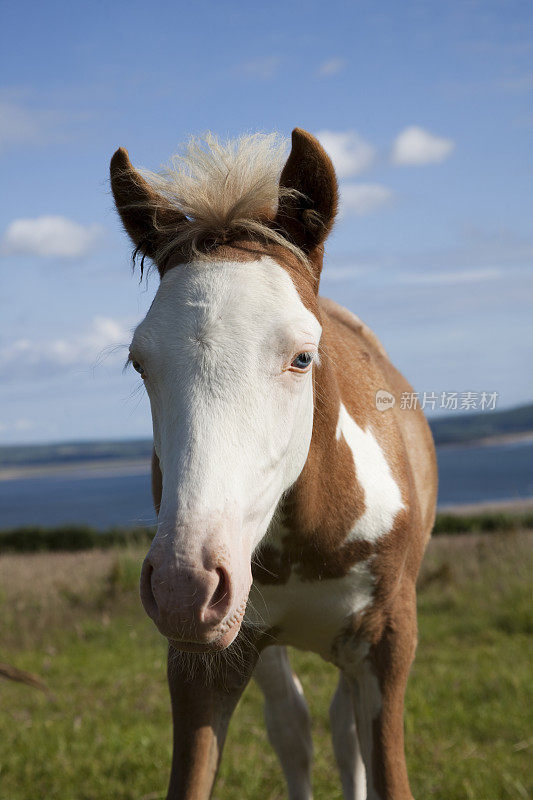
(74, 452)
(469, 427)
(452, 429)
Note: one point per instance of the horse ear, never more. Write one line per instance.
(307, 214)
(146, 215)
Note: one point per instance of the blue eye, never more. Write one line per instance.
(302, 360)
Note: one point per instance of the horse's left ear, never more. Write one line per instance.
(149, 218)
(307, 212)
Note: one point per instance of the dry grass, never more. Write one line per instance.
(41, 575)
(41, 592)
(467, 557)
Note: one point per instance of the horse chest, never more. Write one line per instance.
(310, 614)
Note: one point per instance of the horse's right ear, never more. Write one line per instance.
(147, 216)
(308, 211)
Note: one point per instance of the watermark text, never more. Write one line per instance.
(433, 401)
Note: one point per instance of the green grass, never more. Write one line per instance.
(33, 539)
(104, 729)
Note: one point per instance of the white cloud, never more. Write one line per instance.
(261, 68)
(19, 424)
(363, 198)
(331, 67)
(520, 83)
(463, 276)
(415, 145)
(105, 339)
(49, 237)
(20, 125)
(340, 274)
(16, 125)
(350, 153)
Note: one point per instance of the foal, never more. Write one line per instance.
(292, 509)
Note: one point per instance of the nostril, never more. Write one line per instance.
(219, 603)
(147, 593)
(222, 590)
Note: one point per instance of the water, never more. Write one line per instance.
(467, 475)
(482, 474)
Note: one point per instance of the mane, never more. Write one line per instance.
(226, 190)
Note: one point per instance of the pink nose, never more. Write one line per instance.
(186, 604)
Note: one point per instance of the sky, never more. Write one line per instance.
(425, 107)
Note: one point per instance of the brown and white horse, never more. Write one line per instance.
(291, 509)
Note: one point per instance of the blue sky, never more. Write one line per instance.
(425, 107)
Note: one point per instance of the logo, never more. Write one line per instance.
(384, 400)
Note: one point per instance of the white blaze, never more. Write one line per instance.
(232, 428)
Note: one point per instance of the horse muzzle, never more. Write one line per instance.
(198, 609)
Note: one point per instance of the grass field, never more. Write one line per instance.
(103, 731)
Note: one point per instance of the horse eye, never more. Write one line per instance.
(137, 367)
(302, 360)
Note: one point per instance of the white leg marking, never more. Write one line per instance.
(346, 743)
(287, 720)
(366, 701)
(366, 697)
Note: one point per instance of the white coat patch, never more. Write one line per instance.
(310, 614)
(383, 498)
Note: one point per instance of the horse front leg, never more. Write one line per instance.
(346, 743)
(287, 719)
(377, 675)
(203, 698)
